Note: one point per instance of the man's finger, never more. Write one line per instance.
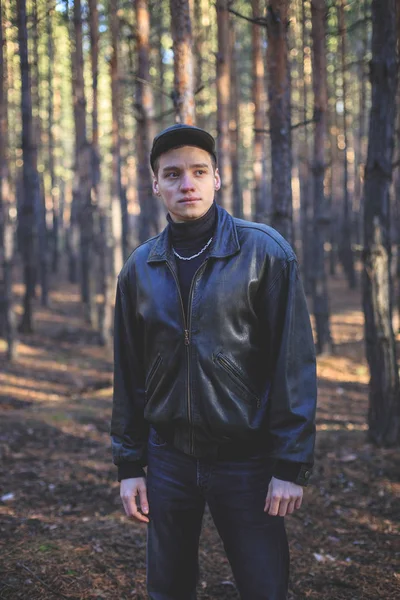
(133, 512)
(291, 507)
(268, 499)
(144, 505)
(274, 506)
(283, 506)
(298, 502)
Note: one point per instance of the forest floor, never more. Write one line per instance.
(63, 533)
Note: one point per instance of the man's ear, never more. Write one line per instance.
(217, 180)
(156, 191)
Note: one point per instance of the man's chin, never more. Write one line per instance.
(190, 214)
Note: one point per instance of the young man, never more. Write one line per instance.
(215, 385)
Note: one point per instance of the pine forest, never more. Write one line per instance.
(303, 99)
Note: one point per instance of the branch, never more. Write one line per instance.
(349, 28)
(43, 582)
(295, 126)
(258, 21)
(170, 111)
(140, 80)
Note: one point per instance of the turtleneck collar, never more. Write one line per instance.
(193, 233)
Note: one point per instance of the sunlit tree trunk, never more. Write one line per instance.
(7, 315)
(234, 129)
(200, 45)
(223, 102)
(102, 224)
(321, 205)
(279, 116)
(258, 93)
(31, 184)
(181, 29)
(149, 207)
(119, 205)
(384, 397)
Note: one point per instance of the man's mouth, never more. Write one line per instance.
(189, 200)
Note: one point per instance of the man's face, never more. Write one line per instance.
(186, 181)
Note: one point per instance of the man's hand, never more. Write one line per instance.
(129, 489)
(283, 497)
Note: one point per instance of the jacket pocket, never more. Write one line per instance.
(233, 372)
(152, 372)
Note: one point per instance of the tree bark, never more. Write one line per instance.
(237, 199)
(7, 315)
(181, 29)
(384, 398)
(149, 207)
(279, 117)
(82, 196)
(31, 184)
(321, 206)
(306, 216)
(346, 252)
(55, 233)
(359, 158)
(223, 97)
(258, 94)
(119, 207)
(101, 206)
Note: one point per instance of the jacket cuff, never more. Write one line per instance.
(129, 470)
(290, 471)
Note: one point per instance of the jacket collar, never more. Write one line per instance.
(225, 240)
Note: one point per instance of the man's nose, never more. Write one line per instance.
(187, 181)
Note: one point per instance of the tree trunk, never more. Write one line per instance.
(7, 315)
(321, 205)
(201, 46)
(40, 210)
(237, 199)
(223, 97)
(304, 165)
(55, 234)
(31, 185)
(346, 252)
(258, 93)
(359, 144)
(101, 207)
(83, 174)
(181, 29)
(149, 207)
(384, 399)
(119, 207)
(279, 117)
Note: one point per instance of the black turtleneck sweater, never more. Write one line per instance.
(188, 239)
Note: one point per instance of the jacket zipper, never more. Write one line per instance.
(226, 364)
(186, 326)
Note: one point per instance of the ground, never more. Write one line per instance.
(62, 529)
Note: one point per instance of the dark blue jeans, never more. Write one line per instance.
(235, 490)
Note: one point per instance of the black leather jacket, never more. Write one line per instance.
(239, 370)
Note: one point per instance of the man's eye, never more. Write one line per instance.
(200, 171)
(172, 175)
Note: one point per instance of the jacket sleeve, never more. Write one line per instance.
(293, 391)
(129, 430)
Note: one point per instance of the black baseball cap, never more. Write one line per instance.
(181, 135)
